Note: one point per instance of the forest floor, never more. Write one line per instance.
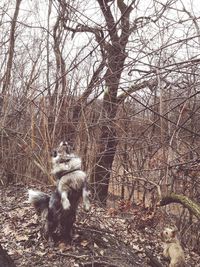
(103, 237)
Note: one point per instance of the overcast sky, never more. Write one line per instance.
(34, 13)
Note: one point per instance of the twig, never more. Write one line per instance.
(72, 255)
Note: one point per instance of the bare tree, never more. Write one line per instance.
(113, 52)
(120, 79)
(7, 75)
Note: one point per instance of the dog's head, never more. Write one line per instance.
(63, 149)
(64, 160)
(169, 234)
(61, 153)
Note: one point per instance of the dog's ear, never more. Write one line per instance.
(68, 148)
(54, 154)
(173, 234)
(72, 146)
(174, 231)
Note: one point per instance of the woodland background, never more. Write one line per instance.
(117, 79)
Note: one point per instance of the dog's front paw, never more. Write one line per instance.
(87, 206)
(86, 199)
(66, 204)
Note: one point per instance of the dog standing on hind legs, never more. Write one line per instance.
(172, 247)
(58, 210)
(70, 177)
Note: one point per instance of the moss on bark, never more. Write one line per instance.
(183, 200)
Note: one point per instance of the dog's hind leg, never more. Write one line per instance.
(67, 221)
(65, 200)
(86, 199)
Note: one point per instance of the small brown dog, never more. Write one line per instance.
(172, 247)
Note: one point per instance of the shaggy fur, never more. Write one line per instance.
(70, 177)
(58, 210)
(49, 209)
(172, 248)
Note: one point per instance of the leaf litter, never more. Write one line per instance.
(102, 237)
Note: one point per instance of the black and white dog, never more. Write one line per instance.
(70, 177)
(58, 210)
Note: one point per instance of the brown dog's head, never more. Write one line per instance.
(169, 234)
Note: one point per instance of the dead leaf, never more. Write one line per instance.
(64, 247)
(21, 237)
(106, 240)
(7, 229)
(96, 246)
(101, 252)
(84, 243)
(40, 253)
(112, 212)
(136, 247)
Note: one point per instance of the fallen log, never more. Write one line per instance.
(192, 206)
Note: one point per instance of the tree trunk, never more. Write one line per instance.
(112, 44)
(7, 75)
(5, 259)
(116, 56)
